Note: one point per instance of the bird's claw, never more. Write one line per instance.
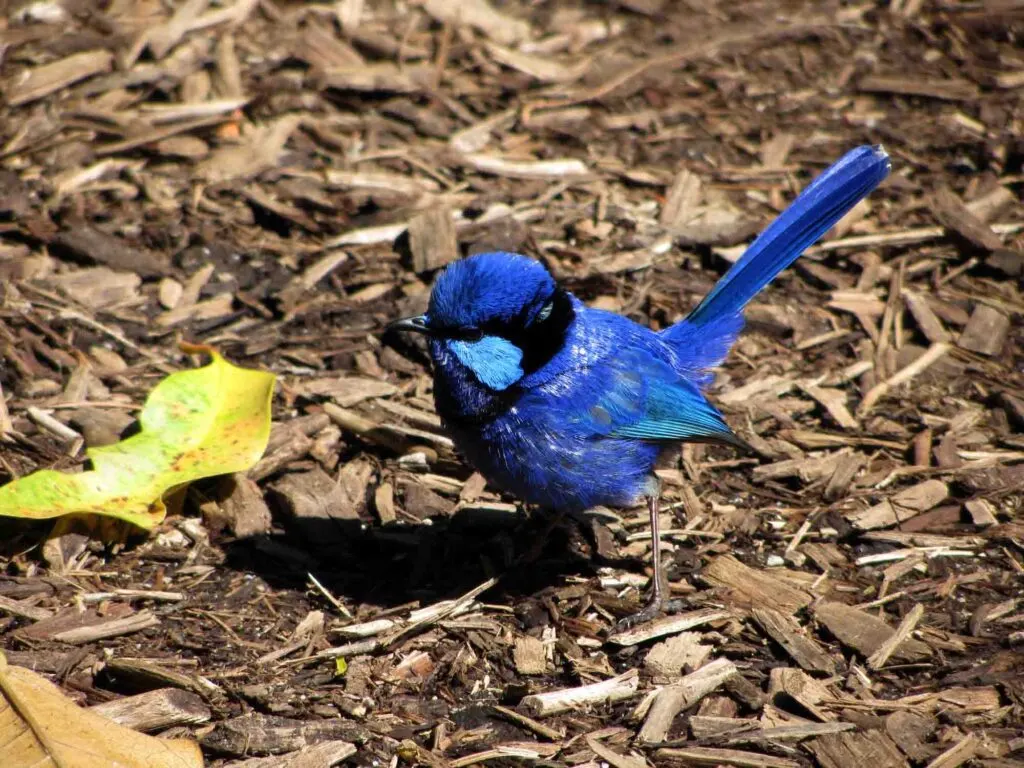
(655, 608)
(652, 610)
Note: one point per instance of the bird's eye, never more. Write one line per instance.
(470, 334)
(545, 311)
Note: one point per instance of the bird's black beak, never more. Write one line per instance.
(416, 324)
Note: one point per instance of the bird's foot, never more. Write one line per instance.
(655, 608)
(652, 610)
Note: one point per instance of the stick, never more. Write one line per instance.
(934, 354)
(878, 659)
(605, 692)
(673, 699)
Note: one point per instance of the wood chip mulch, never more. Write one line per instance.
(280, 179)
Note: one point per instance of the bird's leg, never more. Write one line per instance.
(656, 604)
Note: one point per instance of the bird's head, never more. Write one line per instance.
(499, 315)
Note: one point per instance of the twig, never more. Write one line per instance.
(878, 659)
(567, 699)
(529, 723)
(673, 699)
(114, 628)
(668, 625)
(62, 432)
(934, 353)
(330, 598)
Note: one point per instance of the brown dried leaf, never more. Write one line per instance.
(41, 726)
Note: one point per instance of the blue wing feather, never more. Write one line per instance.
(642, 397)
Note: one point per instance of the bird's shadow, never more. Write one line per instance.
(384, 566)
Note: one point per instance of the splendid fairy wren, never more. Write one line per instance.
(569, 407)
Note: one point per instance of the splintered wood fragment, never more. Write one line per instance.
(321, 755)
(714, 757)
(480, 15)
(679, 652)
(538, 67)
(155, 710)
(613, 758)
(1011, 79)
(925, 317)
(528, 723)
(431, 614)
(668, 625)
(846, 470)
(785, 732)
(881, 656)
(808, 468)
(1014, 409)
(379, 181)
(866, 633)
(20, 607)
(432, 240)
(982, 513)
(113, 628)
(132, 594)
(103, 248)
(748, 587)
(379, 76)
(833, 401)
(646, 7)
(901, 506)
(923, 539)
(164, 37)
(717, 727)
(953, 214)
(949, 90)
(911, 732)
(988, 206)
(261, 150)
(682, 199)
(158, 114)
(986, 331)
(530, 656)
(801, 688)
(759, 387)
(775, 151)
(935, 353)
(804, 650)
(958, 754)
(158, 133)
(526, 169)
(605, 692)
(674, 698)
(869, 748)
(320, 269)
(43, 80)
(139, 673)
(524, 750)
(258, 734)
(384, 502)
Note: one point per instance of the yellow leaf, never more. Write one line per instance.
(39, 728)
(207, 421)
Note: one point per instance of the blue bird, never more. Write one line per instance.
(569, 407)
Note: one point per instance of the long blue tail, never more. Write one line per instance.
(709, 330)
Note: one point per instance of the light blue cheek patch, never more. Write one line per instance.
(494, 361)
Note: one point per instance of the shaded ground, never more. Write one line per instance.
(279, 180)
